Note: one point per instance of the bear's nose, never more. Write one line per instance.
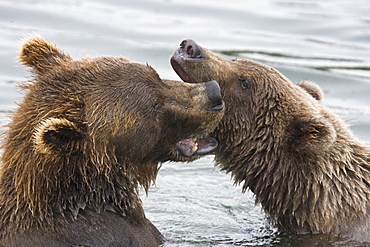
(214, 95)
(191, 49)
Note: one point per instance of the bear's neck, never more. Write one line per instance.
(300, 196)
(34, 200)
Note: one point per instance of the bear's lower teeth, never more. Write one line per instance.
(195, 147)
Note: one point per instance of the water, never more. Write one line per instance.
(194, 204)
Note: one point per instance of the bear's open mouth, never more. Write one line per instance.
(180, 71)
(196, 146)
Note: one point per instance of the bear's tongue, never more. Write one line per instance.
(194, 146)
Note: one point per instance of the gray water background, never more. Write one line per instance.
(195, 204)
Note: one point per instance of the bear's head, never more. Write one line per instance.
(260, 102)
(277, 139)
(90, 131)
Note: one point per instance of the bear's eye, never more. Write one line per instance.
(244, 83)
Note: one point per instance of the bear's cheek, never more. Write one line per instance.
(140, 139)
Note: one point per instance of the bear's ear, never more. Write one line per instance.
(57, 135)
(312, 135)
(312, 88)
(39, 54)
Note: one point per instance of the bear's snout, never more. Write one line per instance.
(190, 48)
(214, 95)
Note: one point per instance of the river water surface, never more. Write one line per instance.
(195, 204)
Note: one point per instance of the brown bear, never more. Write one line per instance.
(88, 133)
(305, 167)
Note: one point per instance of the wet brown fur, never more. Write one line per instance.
(87, 134)
(308, 171)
